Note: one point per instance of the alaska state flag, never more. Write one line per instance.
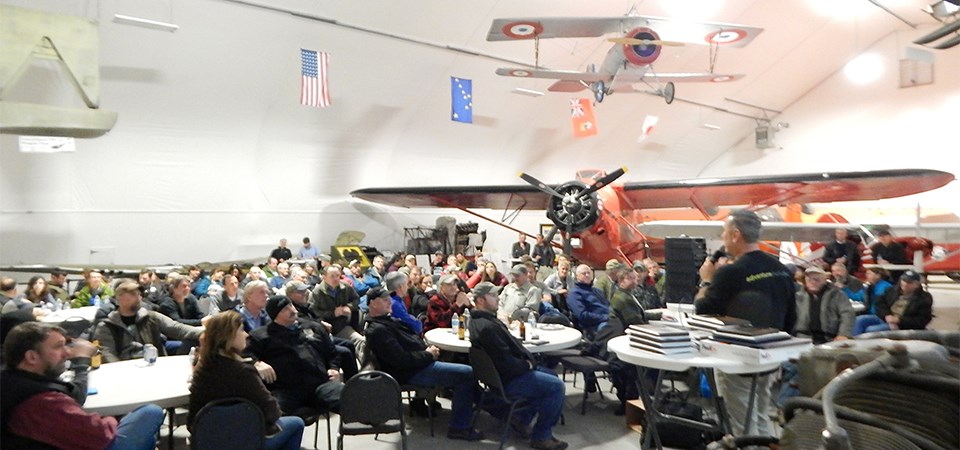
(461, 99)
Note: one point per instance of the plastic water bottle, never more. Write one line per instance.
(150, 354)
(466, 317)
(455, 323)
(531, 323)
(95, 300)
(193, 356)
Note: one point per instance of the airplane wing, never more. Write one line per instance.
(566, 86)
(771, 231)
(732, 35)
(936, 232)
(567, 75)
(705, 192)
(633, 76)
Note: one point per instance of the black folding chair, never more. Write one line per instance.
(486, 373)
(233, 423)
(370, 404)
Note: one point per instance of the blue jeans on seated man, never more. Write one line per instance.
(544, 393)
(138, 430)
(460, 378)
(289, 437)
(869, 323)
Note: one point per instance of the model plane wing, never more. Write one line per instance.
(568, 75)
(679, 77)
(575, 27)
(771, 231)
(695, 193)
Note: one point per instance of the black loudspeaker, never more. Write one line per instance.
(683, 257)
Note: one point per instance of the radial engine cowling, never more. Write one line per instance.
(642, 55)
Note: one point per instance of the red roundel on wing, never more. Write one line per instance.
(522, 30)
(725, 36)
(520, 73)
(642, 55)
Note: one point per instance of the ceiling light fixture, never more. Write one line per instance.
(145, 23)
(863, 69)
(527, 92)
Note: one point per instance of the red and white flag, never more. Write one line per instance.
(314, 90)
(649, 123)
(581, 116)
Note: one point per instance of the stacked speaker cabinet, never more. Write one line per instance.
(683, 257)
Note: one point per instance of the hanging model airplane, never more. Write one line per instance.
(603, 216)
(637, 46)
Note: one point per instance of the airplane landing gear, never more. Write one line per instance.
(668, 92)
(599, 92)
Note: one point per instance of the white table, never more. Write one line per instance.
(127, 385)
(621, 346)
(86, 312)
(566, 337)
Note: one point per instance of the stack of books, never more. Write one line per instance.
(713, 322)
(754, 337)
(660, 339)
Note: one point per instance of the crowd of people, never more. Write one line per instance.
(288, 334)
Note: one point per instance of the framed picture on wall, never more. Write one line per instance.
(545, 229)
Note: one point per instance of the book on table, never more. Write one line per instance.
(659, 332)
(661, 350)
(655, 343)
(712, 322)
(749, 334)
(788, 342)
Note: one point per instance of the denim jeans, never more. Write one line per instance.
(460, 378)
(544, 392)
(289, 437)
(138, 430)
(868, 323)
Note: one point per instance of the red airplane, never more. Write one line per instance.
(604, 216)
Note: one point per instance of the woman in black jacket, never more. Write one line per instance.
(222, 373)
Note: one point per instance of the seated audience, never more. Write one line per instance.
(150, 288)
(521, 293)
(254, 274)
(270, 269)
(360, 281)
(230, 298)
(588, 306)
(306, 366)
(906, 307)
(874, 289)
(489, 274)
(543, 254)
(37, 296)
(199, 281)
(94, 292)
(824, 313)
(852, 287)
(625, 310)
(401, 352)
(558, 285)
(889, 251)
(339, 305)
(222, 372)
(125, 331)
(647, 295)
(253, 309)
(40, 411)
(57, 285)
(605, 281)
(308, 251)
(842, 250)
(421, 300)
(397, 283)
(517, 367)
(281, 253)
(447, 301)
(521, 247)
(180, 304)
(283, 276)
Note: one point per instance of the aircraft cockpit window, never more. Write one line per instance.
(590, 174)
(769, 215)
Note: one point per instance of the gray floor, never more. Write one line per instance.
(599, 428)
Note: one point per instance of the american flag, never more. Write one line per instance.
(314, 90)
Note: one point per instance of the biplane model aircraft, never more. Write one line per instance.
(637, 45)
(604, 216)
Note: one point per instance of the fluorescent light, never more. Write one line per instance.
(145, 23)
(864, 69)
(527, 92)
(710, 126)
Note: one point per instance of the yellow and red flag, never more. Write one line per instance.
(581, 115)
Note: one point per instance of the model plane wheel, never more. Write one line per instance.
(600, 92)
(668, 92)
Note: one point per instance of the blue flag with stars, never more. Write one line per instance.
(461, 93)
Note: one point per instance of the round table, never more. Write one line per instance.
(86, 312)
(680, 362)
(555, 339)
(127, 385)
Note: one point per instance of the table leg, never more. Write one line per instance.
(171, 415)
(650, 435)
(722, 418)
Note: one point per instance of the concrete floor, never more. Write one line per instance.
(598, 429)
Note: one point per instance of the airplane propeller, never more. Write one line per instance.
(573, 205)
(645, 42)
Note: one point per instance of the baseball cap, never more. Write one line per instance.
(324, 257)
(910, 275)
(485, 288)
(448, 279)
(519, 269)
(297, 286)
(814, 269)
(613, 264)
(638, 264)
(276, 304)
(377, 292)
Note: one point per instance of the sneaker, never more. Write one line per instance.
(549, 444)
(464, 434)
(523, 430)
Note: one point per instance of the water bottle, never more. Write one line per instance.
(193, 356)
(531, 323)
(95, 300)
(150, 354)
(466, 318)
(455, 323)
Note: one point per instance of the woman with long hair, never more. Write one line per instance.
(38, 292)
(489, 273)
(222, 372)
